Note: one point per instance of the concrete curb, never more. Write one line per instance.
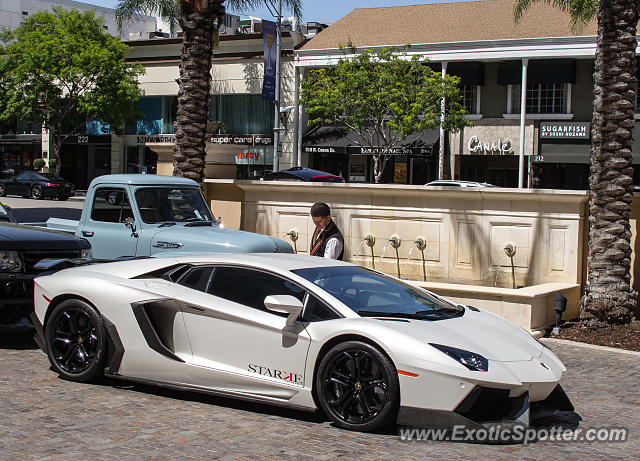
(590, 346)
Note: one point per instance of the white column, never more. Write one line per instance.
(523, 114)
(296, 122)
(443, 108)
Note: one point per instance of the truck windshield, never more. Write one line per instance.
(165, 204)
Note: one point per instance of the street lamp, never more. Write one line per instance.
(277, 13)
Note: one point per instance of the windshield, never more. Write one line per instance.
(170, 205)
(371, 293)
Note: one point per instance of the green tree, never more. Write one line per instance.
(60, 69)
(199, 21)
(381, 97)
(608, 296)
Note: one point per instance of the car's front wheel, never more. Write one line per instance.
(3, 191)
(76, 341)
(63, 197)
(357, 387)
(36, 192)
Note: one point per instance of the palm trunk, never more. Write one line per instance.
(608, 296)
(198, 21)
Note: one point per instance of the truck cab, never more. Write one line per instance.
(152, 215)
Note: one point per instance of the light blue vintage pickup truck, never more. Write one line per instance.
(154, 215)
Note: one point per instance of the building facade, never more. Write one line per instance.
(545, 136)
(240, 141)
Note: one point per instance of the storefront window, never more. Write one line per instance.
(550, 98)
(242, 113)
(470, 98)
(159, 113)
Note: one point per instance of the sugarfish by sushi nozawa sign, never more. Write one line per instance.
(565, 130)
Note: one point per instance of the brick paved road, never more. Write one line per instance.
(44, 417)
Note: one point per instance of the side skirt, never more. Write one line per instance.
(208, 391)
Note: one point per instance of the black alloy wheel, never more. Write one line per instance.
(357, 387)
(36, 192)
(76, 341)
(3, 191)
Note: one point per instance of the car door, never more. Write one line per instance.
(19, 185)
(105, 228)
(231, 331)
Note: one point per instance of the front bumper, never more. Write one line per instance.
(486, 408)
(16, 297)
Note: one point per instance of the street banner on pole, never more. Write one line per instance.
(269, 30)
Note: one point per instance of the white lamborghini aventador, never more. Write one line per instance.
(366, 348)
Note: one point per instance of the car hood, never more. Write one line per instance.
(20, 237)
(480, 332)
(212, 239)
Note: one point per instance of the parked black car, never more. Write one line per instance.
(37, 185)
(299, 173)
(6, 215)
(20, 248)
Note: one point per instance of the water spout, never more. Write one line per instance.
(293, 235)
(421, 244)
(370, 241)
(510, 251)
(395, 242)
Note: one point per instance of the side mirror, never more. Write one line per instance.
(130, 223)
(284, 304)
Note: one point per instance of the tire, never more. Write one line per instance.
(62, 198)
(3, 191)
(76, 341)
(357, 387)
(36, 192)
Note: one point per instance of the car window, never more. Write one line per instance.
(197, 278)
(316, 311)
(24, 177)
(111, 205)
(162, 204)
(250, 286)
(368, 292)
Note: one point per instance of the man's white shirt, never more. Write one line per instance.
(333, 248)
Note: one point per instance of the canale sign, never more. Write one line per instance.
(498, 146)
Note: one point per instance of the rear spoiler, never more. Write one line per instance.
(53, 265)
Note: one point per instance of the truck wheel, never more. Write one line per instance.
(76, 341)
(36, 192)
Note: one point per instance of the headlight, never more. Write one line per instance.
(10, 261)
(471, 360)
(85, 253)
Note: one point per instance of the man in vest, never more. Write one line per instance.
(327, 239)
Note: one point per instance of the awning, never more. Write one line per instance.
(540, 71)
(335, 140)
(470, 73)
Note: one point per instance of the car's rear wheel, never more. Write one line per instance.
(3, 191)
(357, 387)
(36, 192)
(76, 341)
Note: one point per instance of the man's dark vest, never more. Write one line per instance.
(330, 231)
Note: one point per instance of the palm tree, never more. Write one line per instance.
(608, 296)
(199, 21)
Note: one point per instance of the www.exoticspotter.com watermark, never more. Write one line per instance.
(515, 434)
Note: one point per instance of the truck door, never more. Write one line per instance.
(105, 228)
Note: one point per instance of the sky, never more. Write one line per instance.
(313, 10)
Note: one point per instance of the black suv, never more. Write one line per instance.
(20, 248)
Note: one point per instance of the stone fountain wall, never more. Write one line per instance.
(465, 230)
